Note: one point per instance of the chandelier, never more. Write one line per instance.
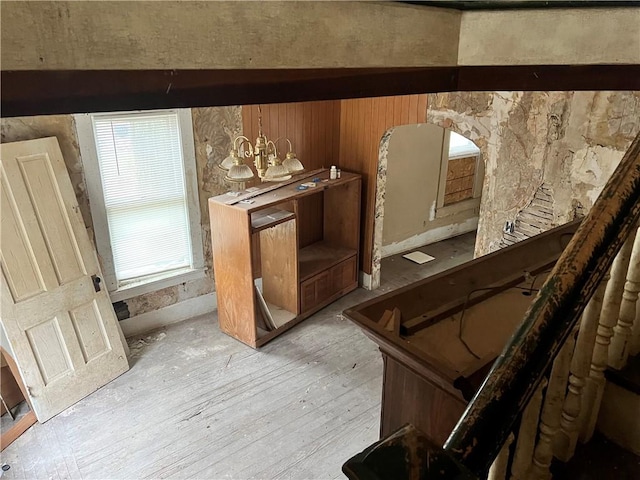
(269, 165)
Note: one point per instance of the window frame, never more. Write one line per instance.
(89, 156)
(464, 205)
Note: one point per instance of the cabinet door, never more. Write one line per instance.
(343, 275)
(314, 291)
(307, 294)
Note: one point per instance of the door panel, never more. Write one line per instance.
(49, 350)
(20, 267)
(64, 334)
(89, 327)
(44, 194)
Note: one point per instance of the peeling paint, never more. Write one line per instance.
(64, 129)
(432, 212)
(571, 141)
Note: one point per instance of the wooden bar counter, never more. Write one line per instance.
(439, 336)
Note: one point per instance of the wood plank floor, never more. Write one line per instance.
(199, 404)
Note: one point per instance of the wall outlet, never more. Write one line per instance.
(509, 227)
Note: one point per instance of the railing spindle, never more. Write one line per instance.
(481, 431)
(498, 470)
(551, 412)
(526, 440)
(567, 439)
(608, 319)
(619, 348)
(634, 348)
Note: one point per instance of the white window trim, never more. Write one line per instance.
(88, 152)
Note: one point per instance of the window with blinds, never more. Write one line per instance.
(142, 173)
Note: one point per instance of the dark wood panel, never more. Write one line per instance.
(549, 77)
(409, 398)
(45, 92)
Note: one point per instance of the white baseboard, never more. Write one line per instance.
(175, 313)
(430, 236)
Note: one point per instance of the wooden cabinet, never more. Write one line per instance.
(281, 254)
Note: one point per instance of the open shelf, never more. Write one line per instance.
(269, 217)
(274, 316)
(320, 256)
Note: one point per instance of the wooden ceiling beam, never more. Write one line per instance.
(43, 92)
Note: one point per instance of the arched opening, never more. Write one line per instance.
(428, 189)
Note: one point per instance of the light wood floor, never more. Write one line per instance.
(198, 404)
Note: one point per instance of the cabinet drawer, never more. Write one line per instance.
(321, 287)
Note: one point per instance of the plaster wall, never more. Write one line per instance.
(413, 175)
(550, 37)
(69, 35)
(93, 35)
(214, 129)
(414, 162)
(569, 141)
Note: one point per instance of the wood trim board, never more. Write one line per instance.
(44, 92)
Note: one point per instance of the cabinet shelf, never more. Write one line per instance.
(269, 217)
(319, 257)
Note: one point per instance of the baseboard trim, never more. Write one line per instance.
(365, 280)
(175, 313)
(431, 236)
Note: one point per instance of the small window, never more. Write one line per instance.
(460, 146)
(140, 171)
(461, 176)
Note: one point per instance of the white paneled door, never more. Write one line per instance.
(57, 316)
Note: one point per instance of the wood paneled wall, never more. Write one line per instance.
(345, 133)
(312, 127)
(362, 124)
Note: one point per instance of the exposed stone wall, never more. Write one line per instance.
(570, 141)
(64, 128)
(214, 129)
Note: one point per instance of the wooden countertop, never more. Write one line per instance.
(269, 194)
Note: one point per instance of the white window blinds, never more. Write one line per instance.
(142, 175)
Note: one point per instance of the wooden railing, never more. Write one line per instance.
(543, 393)
(565, 407)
